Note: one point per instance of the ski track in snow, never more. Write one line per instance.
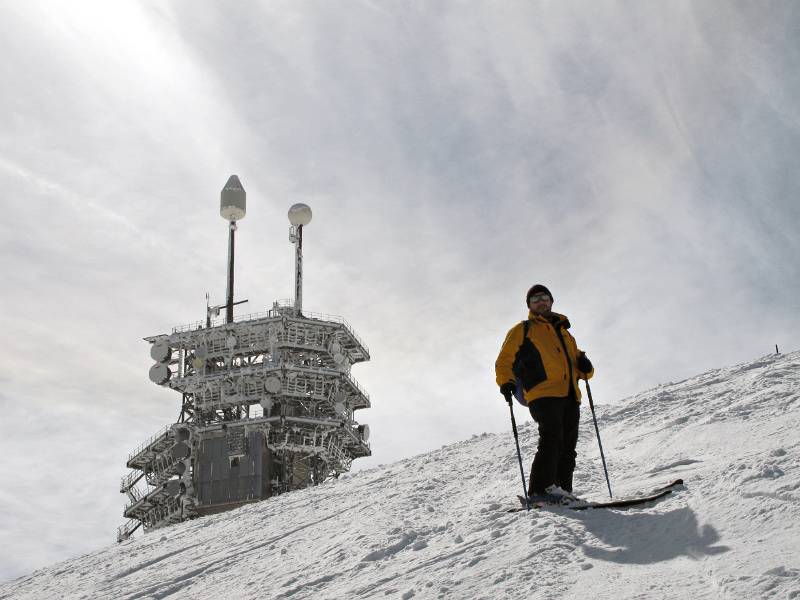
(436, 526)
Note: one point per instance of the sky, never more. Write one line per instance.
(639, 159)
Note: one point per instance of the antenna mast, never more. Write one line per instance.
(233, 206)
(299, 215)
(268, 402)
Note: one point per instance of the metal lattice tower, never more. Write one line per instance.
(267, 406)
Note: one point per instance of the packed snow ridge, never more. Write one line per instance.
(436, 526)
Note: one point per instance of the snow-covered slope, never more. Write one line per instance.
(434, 526)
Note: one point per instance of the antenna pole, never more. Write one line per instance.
(298, 270)
(299, 215)
(229, 304)
(232, 207)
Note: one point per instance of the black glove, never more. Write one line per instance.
(508, 389)
(584, 364)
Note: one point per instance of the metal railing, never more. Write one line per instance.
(147, 498)
(162, 514)
(278, 309)
(136, 494)
(149, 442)
(126, 530)
(358, 387)
(129, 480)
(162, 468)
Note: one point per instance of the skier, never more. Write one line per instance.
(540, 365)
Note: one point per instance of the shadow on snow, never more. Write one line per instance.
(644, 537)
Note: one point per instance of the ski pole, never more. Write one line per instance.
(597, 430)
(519, 454)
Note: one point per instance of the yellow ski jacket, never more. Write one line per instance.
(543, 364)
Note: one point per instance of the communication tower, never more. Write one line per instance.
(267, 402)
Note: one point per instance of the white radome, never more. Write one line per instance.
(300, 214)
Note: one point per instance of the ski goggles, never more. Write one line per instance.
(540, 298)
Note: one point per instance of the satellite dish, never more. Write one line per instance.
(160, 351)
(160, 373)
(338, 407)
(266, 403)
(201, 352)
(181, 450)
(336, 347)
(182, 434)
(198, 363)
(233, 200)
(174, 487)
(230, 342)
(338, 358)
(272, 385)
(180, 468)
(364, 429)
(300, 214)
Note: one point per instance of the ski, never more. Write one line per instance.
(620, 503)
(626, 502)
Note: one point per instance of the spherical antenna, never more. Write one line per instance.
(300, 214)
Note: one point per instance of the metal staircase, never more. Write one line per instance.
(154, 464)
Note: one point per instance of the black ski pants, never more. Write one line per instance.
(558, 436)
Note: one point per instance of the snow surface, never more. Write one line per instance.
(435, 525)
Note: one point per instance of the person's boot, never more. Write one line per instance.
(552, 496)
